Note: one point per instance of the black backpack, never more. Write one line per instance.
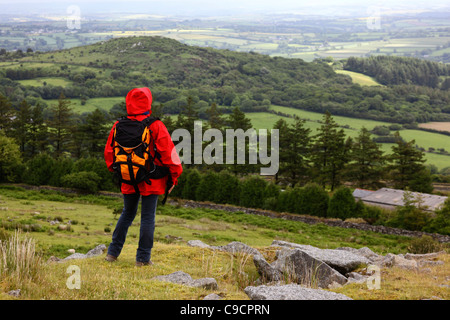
(133, 162)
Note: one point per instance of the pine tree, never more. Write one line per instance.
(406, 162)
(215, 119)
(37, 131)
(284, 145)
(237, 120)
(186, 120)
(6, 114)
(60, 125)
(21, 124)
(95, 132)
(187, 116)
(367, 161)
(330, 153)
(298, 151)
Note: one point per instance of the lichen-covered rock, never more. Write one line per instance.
(98, 250)
(297, 266)
(340, 260)
(183, 278)
(291, 292)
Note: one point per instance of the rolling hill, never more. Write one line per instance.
(174, 71)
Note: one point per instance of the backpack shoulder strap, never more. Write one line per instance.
(149, 120)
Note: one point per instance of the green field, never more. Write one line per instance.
(263, 120)
(54, 81)
(360, 78)
(91, 104)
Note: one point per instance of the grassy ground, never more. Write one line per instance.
(93, 222)
(54, 81)
(360, 78)
(91, 104)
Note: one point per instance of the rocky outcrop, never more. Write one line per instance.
(340, 260)
(294, 265)
(291, 292)
(97, 251)
(232, 247)
(183, 278)
(306, 268)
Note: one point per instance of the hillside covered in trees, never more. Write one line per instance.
(400, 70)
(49, 143)
(251, 81)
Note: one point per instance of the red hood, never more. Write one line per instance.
(139, 101)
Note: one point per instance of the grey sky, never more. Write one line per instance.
(211, 7)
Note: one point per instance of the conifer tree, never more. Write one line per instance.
(330, 153)
(237, 120)
(21, 124)
(37, 131)
(367, 161)
(215, 119)
(298, 151)
(95, 132)
(284, 145)
(406, 165)
(60, 125)
(6, 114)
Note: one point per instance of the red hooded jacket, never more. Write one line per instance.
(138, 102)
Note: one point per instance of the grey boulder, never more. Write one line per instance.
(291, 292)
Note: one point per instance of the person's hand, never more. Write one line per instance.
(171, 188)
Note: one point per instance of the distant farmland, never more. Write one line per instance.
(439, 126)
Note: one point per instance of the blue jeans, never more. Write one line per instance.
(148, 210)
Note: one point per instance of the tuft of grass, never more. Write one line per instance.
(19, 261)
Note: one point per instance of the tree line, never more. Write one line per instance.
(389, 70)
(64, 150)
(252, 191)
(327, 157)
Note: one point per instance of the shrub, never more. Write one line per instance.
(253, 192)
(342, 204)
(193, 179)
(371, 214)
(39, 170)
(409, 216)
(440, 223)
(178, 190)
(60, 168)
(228, 188)
(315, 200)
(207, 187)
(99, 167)
(283, 200)
(425, 244)
(10, 159)
(85, 181)
(272, 193)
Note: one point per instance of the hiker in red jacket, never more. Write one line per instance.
(138, 103)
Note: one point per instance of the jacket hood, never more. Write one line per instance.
(139, 101)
